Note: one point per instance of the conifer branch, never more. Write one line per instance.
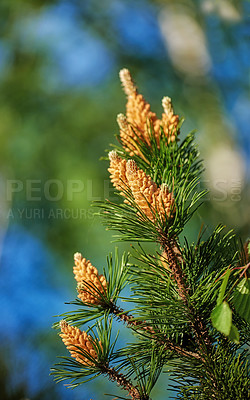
(175, 261)
(166, 342)
(122, 381)
(178, 294)
(173, 255)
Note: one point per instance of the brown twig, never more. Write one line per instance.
(244, 272)
(168, 344)
(173, 256)
(123, 382)
(175, 261)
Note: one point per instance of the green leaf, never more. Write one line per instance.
(234, 334)
(223, 287)
(241, 299)
(222, 318)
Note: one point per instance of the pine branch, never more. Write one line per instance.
(145, 328)
(175, 291)
(172, 254)
(176, 264)
(123, 382)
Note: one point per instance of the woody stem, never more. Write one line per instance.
(176, 262)
(168, 344)
(122, 381)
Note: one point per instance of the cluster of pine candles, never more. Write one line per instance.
(191, 318)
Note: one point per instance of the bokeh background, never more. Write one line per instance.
(59, 97)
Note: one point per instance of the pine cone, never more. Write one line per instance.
(75, 340)
(90, 283)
